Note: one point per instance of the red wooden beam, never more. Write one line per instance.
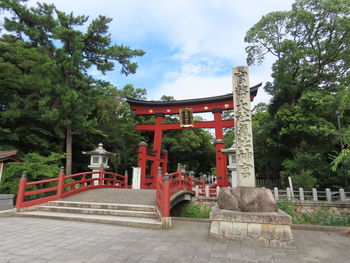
(176, 126)
(224, 102)
(169, 110)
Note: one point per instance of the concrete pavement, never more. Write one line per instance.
(45, 240)
(119, 196)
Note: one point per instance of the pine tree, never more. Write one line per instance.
(70, 53)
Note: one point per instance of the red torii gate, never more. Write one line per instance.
(159, 109)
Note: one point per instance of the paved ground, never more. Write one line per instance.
(45, 240)
(118, 196)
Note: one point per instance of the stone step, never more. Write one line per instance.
(105, 219)
(110, 206)
(94, 211)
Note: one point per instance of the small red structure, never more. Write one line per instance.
(8, 156)
(184, 108)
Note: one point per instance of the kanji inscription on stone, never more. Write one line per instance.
(243, 127)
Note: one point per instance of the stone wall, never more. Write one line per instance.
(6, 201)
(336, 209)
(205, 201)
(333, 208)
(254, 228)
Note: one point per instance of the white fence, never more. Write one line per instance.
(287, 195)
(313, 195)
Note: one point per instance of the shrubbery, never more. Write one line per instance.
(38, 167)
(320, 217)
(196, 211)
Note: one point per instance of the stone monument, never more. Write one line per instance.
(247, 214)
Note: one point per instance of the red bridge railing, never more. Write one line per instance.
(170, 184)
(64, 186)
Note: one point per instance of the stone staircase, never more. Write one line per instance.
(101, 206)
(118, 214)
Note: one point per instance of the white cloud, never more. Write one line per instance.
(214, 27)
(204, 35)
(188, 86)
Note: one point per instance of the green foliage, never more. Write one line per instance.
(343, 157)
(47, 95)
(288, 208)
(319, 217)
(304, 170)
(37, 167)
(196, 211)
(298, 132)
(193, 148)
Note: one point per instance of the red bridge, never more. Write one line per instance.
(171, 188)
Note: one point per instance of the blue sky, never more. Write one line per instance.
(191, 45)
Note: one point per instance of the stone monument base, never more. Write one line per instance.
(252, 228)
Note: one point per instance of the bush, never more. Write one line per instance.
(196, 211)
(320, 217)
(38, 167)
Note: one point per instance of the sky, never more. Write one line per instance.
(191, 45)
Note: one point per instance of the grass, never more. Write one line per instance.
(196, 211)
(319, 217)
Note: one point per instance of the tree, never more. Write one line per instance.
(311, 44)
(37, 167)
(26, 117)
(192, 147)
(167, 98)
(70, 53)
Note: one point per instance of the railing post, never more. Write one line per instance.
(159, 177)
(60, 183)
(83, 179)
(275, 191)
(21, 190)
(166, 177)
(179, 170)
(328, 195)
(217, 191)
(314, 194)
(301, 194)
(101, 176)
(166, 196)
(207, 194)
(126, 179)
(289, 196)
(342, 195)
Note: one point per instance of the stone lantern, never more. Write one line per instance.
(98, 159)
(232, 163)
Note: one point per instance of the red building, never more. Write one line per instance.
(8, 156)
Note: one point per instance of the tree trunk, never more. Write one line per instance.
(69, 150)
(63, 141)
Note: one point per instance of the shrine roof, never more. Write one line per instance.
(99, 151)
(7, 156)
(229, 96)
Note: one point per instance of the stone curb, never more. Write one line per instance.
(9, 212)
(293, 226)
(320, 228)
(188, 219)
